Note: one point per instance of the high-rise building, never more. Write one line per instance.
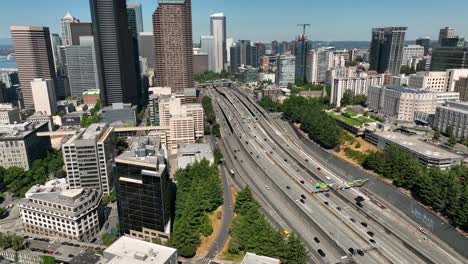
(429, 80)
(207, 45)
(444, 58)
(456, 41)
(318, 62)
(356, 85)
(245, 52)
(113, 41)
(146, 48)
(135, 18)
(142, 184)
(229, 43)
(302, 48)
(45, 100)
(446, 32)
(426, 43)
(285, 69)
(82, 67)
(218, 31)
(386, 50)
(461, 86)
(454, 115)
(34, 57)
(452, 78)
(274, 47)
(88, 156)
(235, 61)
(56, 42)
(172, 27)
(65, 22)
(411, 52)
(260, 52)
(80, 30)
(200, 61)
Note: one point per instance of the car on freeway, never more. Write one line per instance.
(328, 178)
(352, 220)
(422, 230)
(363, 224)
(303, 196)
(316, 240)
(326, 203)
(321, 253)
(302, 201)
(360, 252)
(370, 233)
(288, 187)
(266, 187)
(372, 241)
(301, 181)
(351, 250)
(286, 233)
(338, 208)
(318, 168)
(297, 200)
(327, 195)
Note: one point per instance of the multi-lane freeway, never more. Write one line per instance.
(332, 225)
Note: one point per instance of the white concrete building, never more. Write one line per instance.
(127, 250)
(443, 97)
(43, 91)
(218, 31)
(88, 158)
(318, 62)
(452, 76)
(429, 80)
(266, 77)
(339, 72)
(9, 114)
(285, 69)
(357, 85)
(454, 114)
(207, 44)
(399, 102)
(410, 52)
(55, 210)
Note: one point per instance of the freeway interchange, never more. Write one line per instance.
(337, 226)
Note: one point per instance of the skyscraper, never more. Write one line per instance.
(135, 19)
(80, 29)
(446, 32)
(172, 27)
(207, 45)
(229, 43)
(218, 31)
(65, 22)
(386, 50)
(302, 49)
(146, 47)
(56, 42)
(235, 59)
(34, 57)
(285, 69)
(113, 41)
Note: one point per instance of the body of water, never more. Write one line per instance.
(8, 64)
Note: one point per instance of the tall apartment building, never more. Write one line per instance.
(45, 100)
(401, 103)
(65, 23)
(357, 85)
(319, 61)
(146, 48)
(88, 156)
(339, 72)
(452, 114)
(142, 184)
(452, 77)
(235, 58)
(410, 52)
(218, 31)
(135, 27)
(80, 30)
(82, 66)
(426, 43)
(34, 57)
(9, 114)
(20, 145)
(285, 70)
(430, 80)
(445, 33)
(301, 52)
(113, 41)
(444, 58)
(207, 45)
(229, 43)
(54, 210)
(386, 50)
(172, 27)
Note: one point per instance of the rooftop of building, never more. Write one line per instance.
(430, 73)
(57, 191)
(144, 151)
(251, 258)
(74, 114)
(18, 131)
(189, 153)
(6, 107)
(128, 250)
(458, 106)
(119, 106)
(416, 144)
(402, 89)
(94, 131)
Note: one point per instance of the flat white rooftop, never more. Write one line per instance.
(128, 250)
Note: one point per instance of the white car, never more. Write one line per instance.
(328, 178)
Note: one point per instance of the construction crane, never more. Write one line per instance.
(303, 27)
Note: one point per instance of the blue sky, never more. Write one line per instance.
(265, 20)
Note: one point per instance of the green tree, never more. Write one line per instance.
(17, 242)
(295, 251)
(452, 140)
(436, 134)
(407, 70)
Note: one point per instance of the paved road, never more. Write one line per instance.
(227, 213)
(346, 233)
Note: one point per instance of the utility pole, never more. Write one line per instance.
(303, 27)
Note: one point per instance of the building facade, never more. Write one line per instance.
(80, 30)
(426, 43)
(452, 114)
(65, 23)
(301, 51)
(400, 103)
(452, 77)
(114, 51)
(410, 52)
(445, 33)
(319, 61)
(207, 44)
(45, 100)
(357, 86)
(142, 185)
(285, 70)
(386, 50)
(19, 144)
(54, 210)
(172, 27)
(34, 57)
(218, 31)
(444, 58)
(9, 114)
(430, 80)
(461, 86)
(87, 156)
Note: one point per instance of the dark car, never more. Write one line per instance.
(302, 201)
(352, 220)
(372, 241)
(363, 224)
(301, 181)
(359, 204)
(359, 199)
(316, 240)
(326, 203)
(370, 233)
(338, 208)
(360, 252)
(288, 187)
(321, 253)
(351, 250)
(327, 195)
(303, 196)
(318, 168)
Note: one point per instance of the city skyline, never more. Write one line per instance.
(269, 20)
